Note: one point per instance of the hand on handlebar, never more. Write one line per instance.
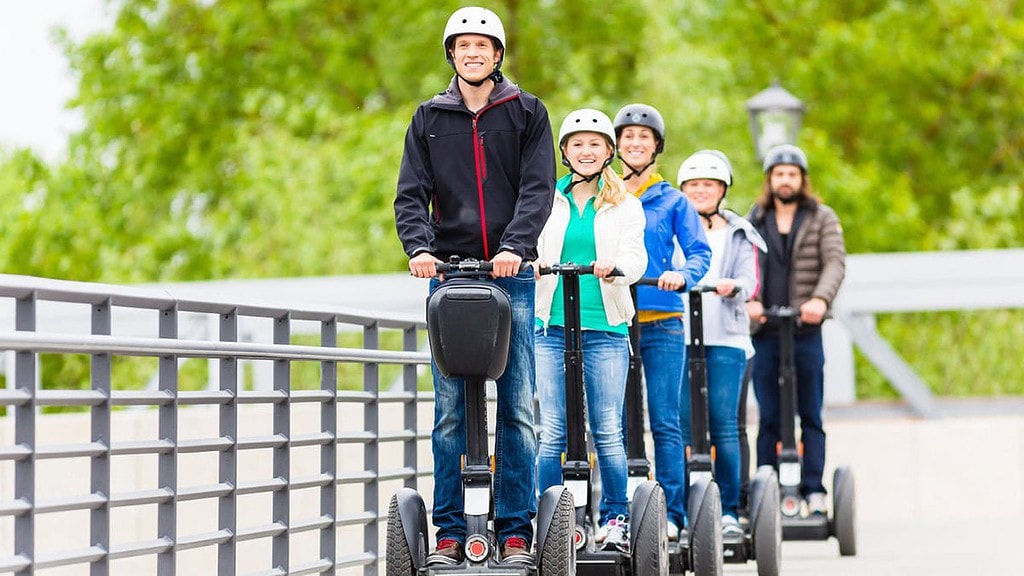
(505, 264)
(672, 281)
(726, 288)
(813, 311)
(603, 269)
(755, 310)
(423, 265)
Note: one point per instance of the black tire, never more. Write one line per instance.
(399, 557)
(557, 555)
(649, 548)
(767, 529)
(844, 497)
(706, 532)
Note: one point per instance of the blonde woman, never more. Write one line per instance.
(595, 221)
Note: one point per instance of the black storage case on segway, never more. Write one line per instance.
(467, 322)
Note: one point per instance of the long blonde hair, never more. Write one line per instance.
(613, 191)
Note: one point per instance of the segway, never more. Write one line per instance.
(469, 328)
(761, 540)
(647, 553)
(698, 550)
(841, 524)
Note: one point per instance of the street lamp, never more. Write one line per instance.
(775, 117)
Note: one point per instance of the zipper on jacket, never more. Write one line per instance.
(481, 169)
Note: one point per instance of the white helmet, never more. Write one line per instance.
(706, 165)
(473, 20)
(587, 120)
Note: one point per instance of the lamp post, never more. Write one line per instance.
(775, 117)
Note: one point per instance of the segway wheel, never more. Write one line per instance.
(767, 525)
(649, 547)
(706, 531)
(843, 513)
(556, 555)
(399, 556)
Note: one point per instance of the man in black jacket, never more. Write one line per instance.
(477, 181)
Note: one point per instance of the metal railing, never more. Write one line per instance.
(272, 478)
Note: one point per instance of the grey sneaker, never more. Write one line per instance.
(614, 534)
(673, 531)
(731, 527)
(817, 504)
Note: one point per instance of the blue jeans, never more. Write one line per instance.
(663, 351)
(515, 443)
(810, 378)
(605, 364)
(725, 368)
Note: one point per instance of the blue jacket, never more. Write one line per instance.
(671, 220)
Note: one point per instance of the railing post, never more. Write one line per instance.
(227, 509)
(371, 450)
(329, 451)
(167, 462)
(25, 436)
(410, 385)
(99, 375)
(282, 454)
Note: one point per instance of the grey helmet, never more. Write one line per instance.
(785, 154)
(641, 115)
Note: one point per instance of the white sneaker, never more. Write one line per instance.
(731, 527)
(817, 503)
(614, 534)
(673, 531)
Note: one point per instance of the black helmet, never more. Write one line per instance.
(641, 115)
(785, 154)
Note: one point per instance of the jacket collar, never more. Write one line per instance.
(738, 223)
(452, 97)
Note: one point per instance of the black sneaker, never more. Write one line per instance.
(448, 551)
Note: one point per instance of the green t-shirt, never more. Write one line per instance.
(579, 247)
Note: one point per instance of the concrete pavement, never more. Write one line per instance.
(924, 548)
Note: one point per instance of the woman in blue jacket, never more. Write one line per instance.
(705, 177)
(678, 255)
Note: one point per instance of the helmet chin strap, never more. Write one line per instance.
(582, 177)
(632, 170)
(495, 75)
(709, 216)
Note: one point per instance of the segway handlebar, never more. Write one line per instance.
(456, 265)
(704, 288)
(571, 268)
(789, 313)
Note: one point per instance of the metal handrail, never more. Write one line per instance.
(26, 399)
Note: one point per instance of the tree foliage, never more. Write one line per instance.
(262, 137)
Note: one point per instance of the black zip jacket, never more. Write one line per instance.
(473, 185)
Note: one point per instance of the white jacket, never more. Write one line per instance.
(619, 238)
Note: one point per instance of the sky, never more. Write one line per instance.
(35, 83)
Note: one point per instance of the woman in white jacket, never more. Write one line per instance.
(594, 220)
(705, 178)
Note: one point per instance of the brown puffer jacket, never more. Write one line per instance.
(819, 255)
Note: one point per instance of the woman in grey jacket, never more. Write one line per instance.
(705, 177)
